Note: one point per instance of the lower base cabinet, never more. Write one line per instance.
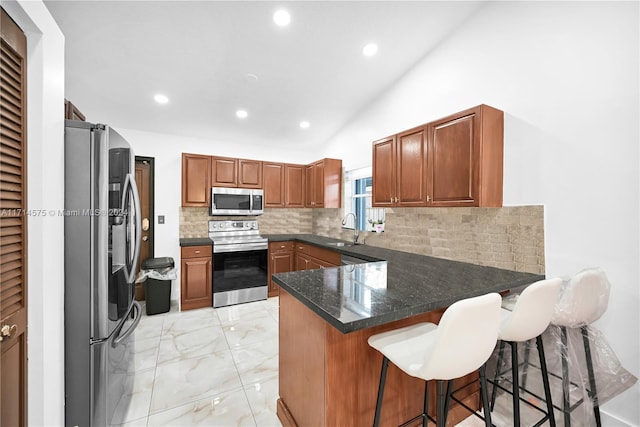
(309, 257)
(195, 277)
(280, 261)
(296, 256)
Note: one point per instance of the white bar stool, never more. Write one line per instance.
(528, 319)
(460, 344)
(583, 301)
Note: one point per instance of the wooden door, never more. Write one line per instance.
(454, 175)
(294, 186)
(13, 224)
(384, 175)
(249, 173)
(224, 172)
(144, 182)
(411, 164)
(196, 180)
(273, 176)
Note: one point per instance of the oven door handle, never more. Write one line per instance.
(242, 248)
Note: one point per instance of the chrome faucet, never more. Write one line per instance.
(356, 233)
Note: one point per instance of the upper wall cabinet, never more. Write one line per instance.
(454, 161)
(283, 185)
(196, 180)
(230, 172)
(399, 172)
(465, 165)
(323, 184)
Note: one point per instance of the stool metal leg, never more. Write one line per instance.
(425, 414)
(495, 378)
(441, 416)
(525, 364)
(484, 395)
(383, 377)
(564, 353)
(592, 378)
(545, 381)
(448, 396)
(515, 383)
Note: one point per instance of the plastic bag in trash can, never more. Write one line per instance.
(169, 273)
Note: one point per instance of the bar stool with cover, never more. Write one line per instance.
(582, 301)
(526, 320)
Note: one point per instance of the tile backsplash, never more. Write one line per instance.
(507, 237)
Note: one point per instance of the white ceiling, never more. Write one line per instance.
(199, 53)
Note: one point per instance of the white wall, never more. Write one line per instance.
(566, 75)
(167, 150)
(45, 150)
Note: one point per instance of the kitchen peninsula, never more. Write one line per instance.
(328, 373)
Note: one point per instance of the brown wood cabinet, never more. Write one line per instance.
(317, 185)
(281, 257)
(399, 170)
(195, 277)
(196, 180)
(294, 185)
(323, 184)
(231, 172)
(273, 180)
(224, 172)
(454, 161)
(466, 162)
(249, 173)
(309, 257)
(283, 185)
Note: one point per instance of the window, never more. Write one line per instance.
(357, 197)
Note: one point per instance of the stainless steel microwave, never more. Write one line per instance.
(236, 201)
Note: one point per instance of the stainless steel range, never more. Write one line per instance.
(239, 262)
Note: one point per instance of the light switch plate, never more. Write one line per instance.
(160, 219)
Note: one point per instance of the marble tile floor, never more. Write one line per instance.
(218, 367)
(205, 367)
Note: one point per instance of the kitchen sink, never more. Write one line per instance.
(339, 244)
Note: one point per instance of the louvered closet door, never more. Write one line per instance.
(13, 225)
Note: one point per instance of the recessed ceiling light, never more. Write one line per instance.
(282, 18)
(305, 124)
(242, 114)
(161, 99)
(250, 78)
(370, 49)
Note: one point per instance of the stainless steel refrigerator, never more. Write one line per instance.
(102, 246)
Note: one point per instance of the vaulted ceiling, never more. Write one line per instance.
(212, 58)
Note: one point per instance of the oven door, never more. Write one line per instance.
(239, 276)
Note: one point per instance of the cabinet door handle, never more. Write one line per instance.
(197, 252)
(428, 198)
(391, 200)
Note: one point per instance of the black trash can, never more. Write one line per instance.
(158, 291)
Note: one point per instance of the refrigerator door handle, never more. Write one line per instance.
(130, 188)
(118, 337)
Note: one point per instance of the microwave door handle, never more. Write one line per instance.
(130, 187)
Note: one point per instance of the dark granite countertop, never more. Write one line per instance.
(195, 241)
(393, 286)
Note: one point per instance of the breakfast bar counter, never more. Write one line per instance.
(328, 374)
